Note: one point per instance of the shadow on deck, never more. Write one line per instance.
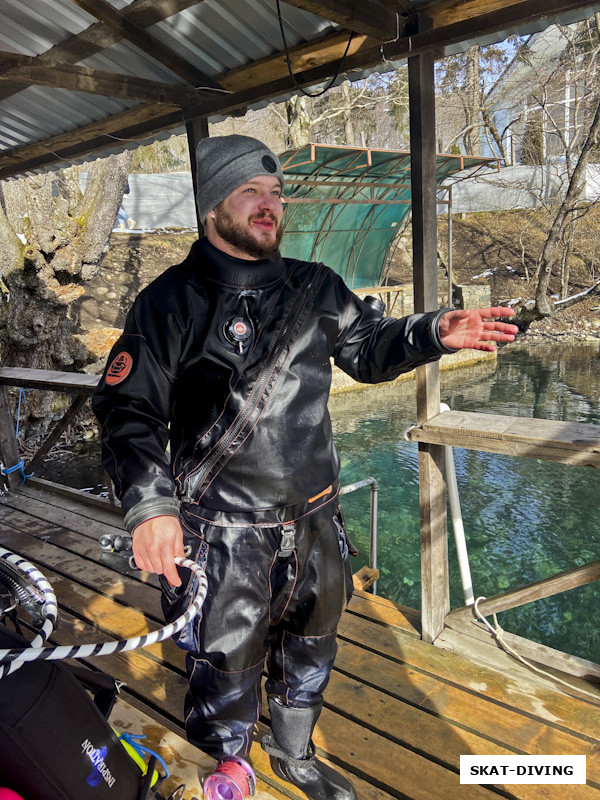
(398, 712)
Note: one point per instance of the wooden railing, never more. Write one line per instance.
(576, 444)
(78, 384)
(398, 300)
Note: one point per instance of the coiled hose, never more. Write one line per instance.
(16, 657)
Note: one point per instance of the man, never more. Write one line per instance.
(226, 357)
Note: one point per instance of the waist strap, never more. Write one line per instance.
(262, 518)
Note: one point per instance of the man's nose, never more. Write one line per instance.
(268, 200)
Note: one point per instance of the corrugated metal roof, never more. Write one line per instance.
(219, 35)
(213, 36)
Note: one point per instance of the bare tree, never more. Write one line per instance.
(358, 114)
(465, 82)
(538, 98)
(53, 238)
(566, 105)
(298, 113)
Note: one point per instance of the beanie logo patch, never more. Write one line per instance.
(119, 368)
(269, 164)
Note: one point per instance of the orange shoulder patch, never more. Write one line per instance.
(119, 368)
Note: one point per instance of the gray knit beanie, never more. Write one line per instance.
(225, 162)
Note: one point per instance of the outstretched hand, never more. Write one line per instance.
(476, 328)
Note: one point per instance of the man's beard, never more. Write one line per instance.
(239, 235)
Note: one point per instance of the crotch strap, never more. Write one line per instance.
(288, 540)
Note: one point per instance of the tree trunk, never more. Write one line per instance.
(349, 131)
(53, 239)
(565, 261)
(473, 102)
(543, 305)
(299, 122)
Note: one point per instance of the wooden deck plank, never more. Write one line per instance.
(73, 500)
(382, 610)
(542, 655)
(90, 523)
(398, 712)
(547, 704)
(494, 723)
(69, 563)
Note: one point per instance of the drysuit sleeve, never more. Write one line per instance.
(372, 349)
(132, 404)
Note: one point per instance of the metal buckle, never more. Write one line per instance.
(288, 540)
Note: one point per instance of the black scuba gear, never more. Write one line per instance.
(184, 382)
(253, 468)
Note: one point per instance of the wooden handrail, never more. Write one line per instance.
(79, 384)
(573, 443)
(69, 382)
(576, 444)
(556, 584)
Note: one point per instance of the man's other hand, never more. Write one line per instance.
(156, 543)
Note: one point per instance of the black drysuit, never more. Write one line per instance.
(228, 362)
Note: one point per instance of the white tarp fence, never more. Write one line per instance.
(517, 187)
(166, 200)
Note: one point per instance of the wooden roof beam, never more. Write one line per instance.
(328, 50)
(369, 17)
(141, 13)
(449, 12)
(128, 30)
(399, 6)
(40, 72)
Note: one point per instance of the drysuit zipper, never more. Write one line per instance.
(193, 481)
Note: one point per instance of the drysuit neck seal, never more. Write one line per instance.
(217, 266)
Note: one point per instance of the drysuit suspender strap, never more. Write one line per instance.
(298, 306)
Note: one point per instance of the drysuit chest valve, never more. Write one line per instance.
(238, 331)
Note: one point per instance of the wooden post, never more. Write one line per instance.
(450, 250)
(435, 591)
(196, 129)
(9, 450)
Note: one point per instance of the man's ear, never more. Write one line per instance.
(211, 214)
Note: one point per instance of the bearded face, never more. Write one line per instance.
(257, 235)
(247, 223)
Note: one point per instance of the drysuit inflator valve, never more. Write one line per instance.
(233, 779)
(238, 332)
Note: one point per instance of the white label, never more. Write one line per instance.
(522, 769)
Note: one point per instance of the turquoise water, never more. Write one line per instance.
(524, 519)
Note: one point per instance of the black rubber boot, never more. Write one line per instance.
(293, 754)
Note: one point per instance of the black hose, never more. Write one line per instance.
(25, 594)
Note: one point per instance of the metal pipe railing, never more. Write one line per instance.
(457, 522)
(373, 521)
